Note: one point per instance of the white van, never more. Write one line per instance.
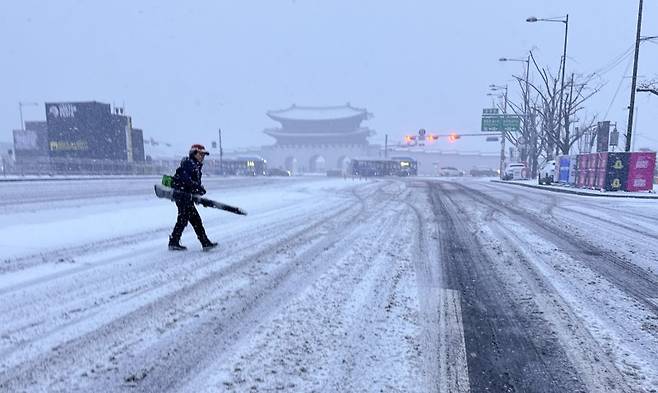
(515, 171)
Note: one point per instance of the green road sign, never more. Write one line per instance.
(500, 122)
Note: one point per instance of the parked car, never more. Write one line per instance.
(546, 172)
(278, 172)
(484, 172)
(515, 171)
(450, 171)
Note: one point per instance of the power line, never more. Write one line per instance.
(621, 82)
(615, 62)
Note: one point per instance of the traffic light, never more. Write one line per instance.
(453, 137)
(432, 138)
(410, 139)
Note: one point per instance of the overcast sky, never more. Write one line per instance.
(183, 69)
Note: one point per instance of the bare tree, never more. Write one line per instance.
(649, 87)
(548, 93)
(556, 126)
(526, 139)
(575, 97)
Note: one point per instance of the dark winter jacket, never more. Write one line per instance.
(188, 177)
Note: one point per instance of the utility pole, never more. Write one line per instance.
(221, 154)
(631, 107)
(386, 146)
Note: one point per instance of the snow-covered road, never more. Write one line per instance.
(329, 285)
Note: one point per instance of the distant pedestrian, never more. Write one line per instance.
(188, 180)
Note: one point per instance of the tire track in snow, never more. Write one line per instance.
(336, 334)
(129, 327)
(167, 365)
(627, 276)
(539, 284)
(116, 278)
(444, 349)
(507, 350)
(555, 200)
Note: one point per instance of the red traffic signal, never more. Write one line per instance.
(432, 138)
(453, 137)
(409, 139)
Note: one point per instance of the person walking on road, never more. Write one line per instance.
(188, 180)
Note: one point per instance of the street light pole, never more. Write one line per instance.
(221, 154)
(503, 134)
(526, 114)
(631, 107)
(20, 111)
(563, 115)
(563, 63)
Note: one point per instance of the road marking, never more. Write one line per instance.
(453, 366)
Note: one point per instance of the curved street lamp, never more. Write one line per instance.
(563, 63)
(527, 87)
(503, 134)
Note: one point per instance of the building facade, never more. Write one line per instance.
(89, 130)
(317, 139)
(32, 142)
(138, 145)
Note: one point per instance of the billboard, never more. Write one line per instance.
(602, 136)
(616, 169)
(566, 172)
(641, 166)
(85, 130)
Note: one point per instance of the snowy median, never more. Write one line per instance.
(582, 191)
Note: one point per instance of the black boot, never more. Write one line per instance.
(174, 245)
(207, 244)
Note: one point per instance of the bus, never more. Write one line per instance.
(243, 166)
(405, 166)
(397, 166)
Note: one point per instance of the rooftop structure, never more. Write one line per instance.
(330, 125)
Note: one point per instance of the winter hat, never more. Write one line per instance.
(198, 148)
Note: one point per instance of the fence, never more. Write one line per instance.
(76, 166)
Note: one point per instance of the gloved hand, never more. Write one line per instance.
(201, 191)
